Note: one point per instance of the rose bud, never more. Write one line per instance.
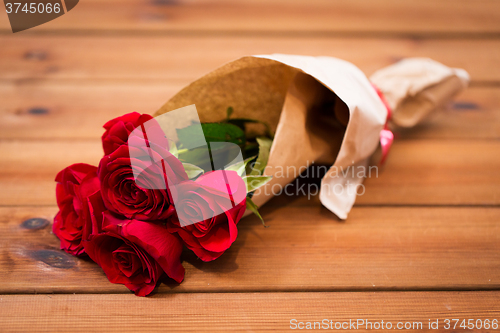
(119, 129)
(134, 253)
(74, 185)
(208, 210)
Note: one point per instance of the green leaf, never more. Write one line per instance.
(254, 182)
(262, 159)
(192, 170)
(222, 132)
(173, 148)
(240, 166)
(189, 136)
(211, 156)
(196, 156)
(229, 112)
(213, 132)
(254, 209)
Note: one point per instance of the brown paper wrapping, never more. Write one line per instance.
(322, 110)
(415, 87)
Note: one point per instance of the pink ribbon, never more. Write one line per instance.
(386, 136)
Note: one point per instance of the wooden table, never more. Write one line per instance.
(422, 244)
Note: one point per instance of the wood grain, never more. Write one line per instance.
(77, 109)
(186, 58)
(285, 17)
(305, 249)
(422, 243)
(251, 312)
(474, 114)
(460, 172)
(418, 172)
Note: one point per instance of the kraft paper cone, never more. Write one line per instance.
(321, 109)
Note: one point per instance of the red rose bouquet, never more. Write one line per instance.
(134, 213)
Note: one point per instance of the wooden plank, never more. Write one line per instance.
(305, 249)
(189, 57)
(418, 172)
(437, 172)
(474, 114)
(75, 109)
(263, 312)
(78, 109)
(37, 163)
(320, 16)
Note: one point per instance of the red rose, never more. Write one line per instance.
(131, 252)
(74, 185)
(144, 198)
(118, 130)
(208, 210)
